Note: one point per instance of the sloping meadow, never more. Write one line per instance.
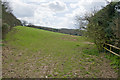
(35, 53)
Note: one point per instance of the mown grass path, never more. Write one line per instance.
(35, 53)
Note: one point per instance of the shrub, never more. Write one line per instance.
(91, 52)
(5, 29)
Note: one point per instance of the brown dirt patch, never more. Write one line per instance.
(88, 43)
(101, 68)
(73, 36)
(69, 38)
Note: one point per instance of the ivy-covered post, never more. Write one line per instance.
(117, 8)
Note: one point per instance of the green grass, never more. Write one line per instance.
(91, 52)
(115, 60)
(39, 53)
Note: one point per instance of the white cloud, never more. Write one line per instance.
(43, 16)
(57, 6)
(21, 9)
(51, 13)
(27, 1)
(86, 6)
(87, 3)
(77, 11)
(81, 3)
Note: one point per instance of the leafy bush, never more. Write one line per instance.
(102, 26)
(115, 61)
(5, 29)
(91, 52)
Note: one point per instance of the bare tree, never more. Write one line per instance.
(82, 21)
(30, 25)
(107, 1)
(7, 6)
(24, 23)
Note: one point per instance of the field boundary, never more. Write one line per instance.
(110, 50)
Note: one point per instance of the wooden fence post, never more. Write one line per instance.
(110, 50)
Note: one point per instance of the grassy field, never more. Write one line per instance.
(35, 53)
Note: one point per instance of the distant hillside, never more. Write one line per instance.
(71, 31)
(65, 31)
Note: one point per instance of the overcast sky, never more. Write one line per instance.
(53, 13)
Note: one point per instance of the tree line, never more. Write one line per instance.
(103, 26)
(8, 19)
